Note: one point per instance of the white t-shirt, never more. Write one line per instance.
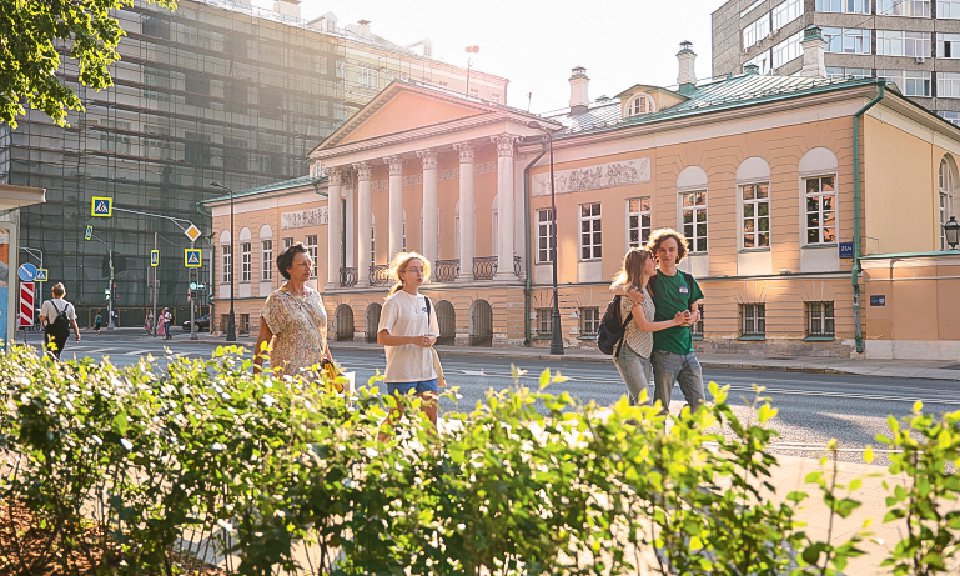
(50, 309)
(406, 315)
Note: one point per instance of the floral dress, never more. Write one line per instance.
(299, 326)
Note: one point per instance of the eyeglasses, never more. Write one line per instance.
(420, 270)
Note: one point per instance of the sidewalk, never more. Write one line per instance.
(926, 369)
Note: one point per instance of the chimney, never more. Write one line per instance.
(427, 48)
(813, 43)
(751, 69)
(363, 28)
(289, 9)
(330, 22)
(686, 76)
(579, 99)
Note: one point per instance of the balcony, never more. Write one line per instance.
(378, 275)
(484, 269)
(446, 270)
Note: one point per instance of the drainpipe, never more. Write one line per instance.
(855, 272)
(528, 248)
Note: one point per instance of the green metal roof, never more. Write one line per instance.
(272, 187)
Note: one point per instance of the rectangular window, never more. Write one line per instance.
(903, 43)
(763, 62)
(839, 72)
(591, 236)
(638, 221)
(697, 329)
(788, 50)
(910, 82)
(846, 40)
(544, 321)
(948, 9)
(753, 320)
(266, 260)
(756, 215)
(821, 209)
(246, 262)
(915, 8)
(312, 249)
(227, 259)
(693, 214)
(844, 6)
(951, 116)
(287, 242)
(786, 12)
(545, 238)
(948, 85)
(820, 319)
(756, 30)
(373, 245)
(589, 321)
(948, 45)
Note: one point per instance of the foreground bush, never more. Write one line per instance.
(130, 469)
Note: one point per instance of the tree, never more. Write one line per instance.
(34, 37)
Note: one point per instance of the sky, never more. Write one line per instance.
(536, 43)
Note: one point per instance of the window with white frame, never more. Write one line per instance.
(903, 43)
(820, 199)
(844, 6)
(820, 319)
(946, 197)
(226, 258)
(756, 30)
(589, 321)
(693, 214)
(753, 321)
(910, 82)
(915, 8)
(948, 45)
(373, 244)
(545, 239)
(638, 221)
(544, 321)
(641, 104)
(948, 85)
(951, 116)
(246, 262)
(948, 9)
(763, 62)
(591, 235)
(312, 250)
(786, 12)
(266, 260)
(788, 50)
(287, 242)
(839, 72)
(846, 40)
(755, 215)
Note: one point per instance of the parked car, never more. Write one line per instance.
(202, 322)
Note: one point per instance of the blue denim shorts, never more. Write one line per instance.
(420, 386)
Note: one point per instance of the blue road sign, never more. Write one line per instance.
(154, 257)
(101, 206)
(27, 272)
(41, 275)
(192, 257)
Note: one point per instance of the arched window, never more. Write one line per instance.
(640, 104)
(226, 257)
(948, 180)
(818, 181)
(692, 191)
(753, 187)
(266, 253)
(246, 255)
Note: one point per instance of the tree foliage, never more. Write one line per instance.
(36, 36)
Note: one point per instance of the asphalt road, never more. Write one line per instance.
(813, 408)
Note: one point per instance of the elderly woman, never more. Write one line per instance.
(293, 324)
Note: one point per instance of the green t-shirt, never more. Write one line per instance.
(671, 294)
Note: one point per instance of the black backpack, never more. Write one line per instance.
(612, 328)
(60, 324)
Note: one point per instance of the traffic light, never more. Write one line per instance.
(88, 233)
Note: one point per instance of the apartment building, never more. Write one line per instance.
(913, 43)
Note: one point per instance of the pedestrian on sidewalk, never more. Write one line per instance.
(293, 323)
(674, 291)
(148, 323)
(58, 316)
(162, 324)
(167, 323)
(408, 330)
(98, 322)
(632, 358)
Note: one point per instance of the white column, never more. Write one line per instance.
(334, 225)
(505, 203)
(468, 239)
(364, 213)
(395, 205)
(430, 232)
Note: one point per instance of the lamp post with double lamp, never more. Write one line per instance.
(231, 319)
(556, 332)
(951, 232)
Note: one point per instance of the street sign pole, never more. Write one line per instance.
(110, 325)
(193, 302)
(156, 277)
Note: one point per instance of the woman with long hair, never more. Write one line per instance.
(630, 283)
(408, 330)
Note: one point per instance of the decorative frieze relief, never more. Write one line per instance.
(303, 218)
(596, 177)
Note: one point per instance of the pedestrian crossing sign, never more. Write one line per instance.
(41, 275)
(154, 258)
(101, 206)
(192, 257)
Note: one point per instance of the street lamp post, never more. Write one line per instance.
(951, 232)
(556, 331)
(232, 319)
